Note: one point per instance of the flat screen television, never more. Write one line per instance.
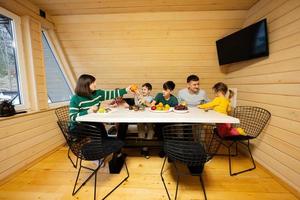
(250, 42)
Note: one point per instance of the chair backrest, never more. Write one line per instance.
(84, 140)
(87, 142)
(252, 119)
(192, 144)
(62, 114)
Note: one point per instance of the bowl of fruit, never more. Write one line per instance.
(161, 108)
(181, 108)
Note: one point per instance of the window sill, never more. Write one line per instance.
(25, 114)
(56, 105)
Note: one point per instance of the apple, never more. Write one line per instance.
(153, 108)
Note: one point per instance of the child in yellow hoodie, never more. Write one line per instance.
(221, 104)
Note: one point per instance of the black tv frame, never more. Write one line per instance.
(238, 36)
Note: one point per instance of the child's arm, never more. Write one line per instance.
(148, 104)
(153, 103)
(155, 100)
(211, 104)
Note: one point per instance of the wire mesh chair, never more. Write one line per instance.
(62, 114)
(190, 144)
(253, 120)
(87, 143)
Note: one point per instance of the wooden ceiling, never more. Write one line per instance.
(74, 7)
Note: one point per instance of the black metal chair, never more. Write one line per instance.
(87, 143)
(62, 114)
(253, 120)
(190, 144)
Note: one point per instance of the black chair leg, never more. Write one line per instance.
(95, 186)
(246, 170)
(74, 164)
(120, 182)
(94, 172)
(162, 178)
(215, 135)
(203, 187)
(177, 183)
(177, 180)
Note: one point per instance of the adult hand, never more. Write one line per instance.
(93, 109)
(132, 89)
(128, 89)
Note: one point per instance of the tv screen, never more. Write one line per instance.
(250, 42)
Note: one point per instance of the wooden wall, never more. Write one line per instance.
(273, 83)
(120, 49)
(28, 137)
(83, 7)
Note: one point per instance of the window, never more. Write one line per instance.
(11, 82)
(57, 85)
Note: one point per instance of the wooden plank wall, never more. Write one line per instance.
(83, 7)
(26, 138)
(273, 83)
(120, 49)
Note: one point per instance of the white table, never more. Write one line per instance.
(121, 115)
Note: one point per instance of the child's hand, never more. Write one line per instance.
(141, 101)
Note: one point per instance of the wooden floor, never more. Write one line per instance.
(53, 178)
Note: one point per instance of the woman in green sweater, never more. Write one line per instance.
(87, 99)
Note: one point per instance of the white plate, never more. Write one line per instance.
(161, 111)
(181, 111)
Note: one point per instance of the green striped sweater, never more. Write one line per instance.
(80, 105)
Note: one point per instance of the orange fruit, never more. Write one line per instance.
(134, 88)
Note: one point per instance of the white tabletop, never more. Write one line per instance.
(194, 115)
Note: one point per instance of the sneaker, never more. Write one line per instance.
(112, 131)
(161, 154)
(145, 153)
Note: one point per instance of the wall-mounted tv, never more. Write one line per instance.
(250, 42)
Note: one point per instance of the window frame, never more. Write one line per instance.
(19, 57)
(61, 66)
